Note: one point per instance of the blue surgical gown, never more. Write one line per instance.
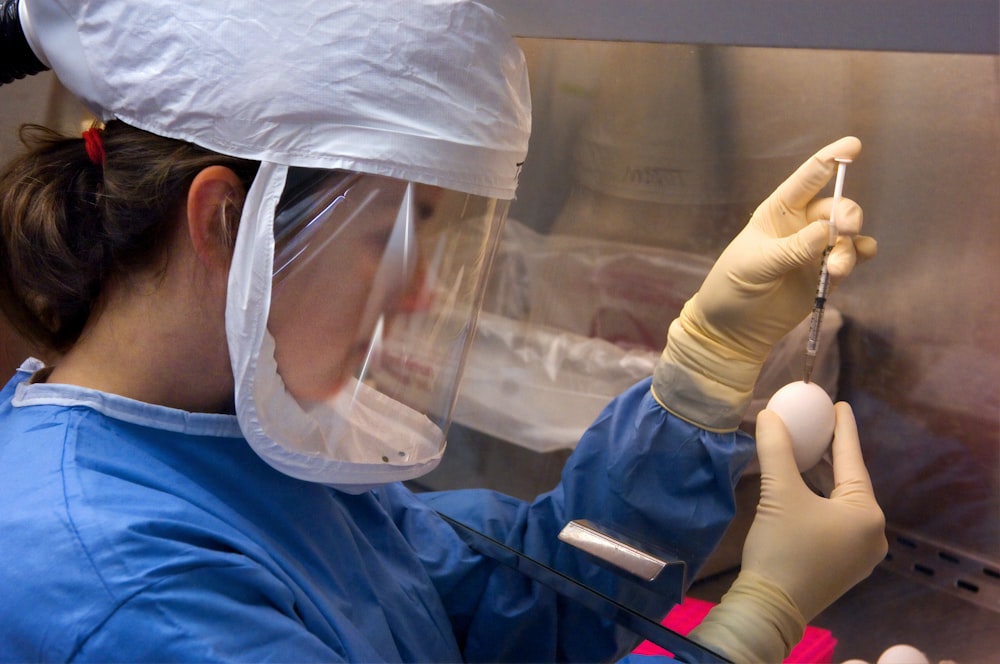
(134, 532)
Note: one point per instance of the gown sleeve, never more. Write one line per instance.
(638, 469)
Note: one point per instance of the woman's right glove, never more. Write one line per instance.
(762, 286)
(803, 551)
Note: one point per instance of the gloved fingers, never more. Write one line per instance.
(841, 261)
(774, 451)
(850, 474)
(784, 254)
(849, 216)
(865, 247)
(846, 255)
(807, 181)
(863, 520)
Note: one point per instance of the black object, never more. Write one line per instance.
(17, 60)
(683, 649)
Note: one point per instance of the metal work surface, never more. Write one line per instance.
(887, 609)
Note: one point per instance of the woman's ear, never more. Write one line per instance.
(214, 202)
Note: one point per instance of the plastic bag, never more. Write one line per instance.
(571, 322)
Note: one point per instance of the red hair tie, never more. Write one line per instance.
(95, 146)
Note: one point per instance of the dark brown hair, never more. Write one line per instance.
(68, 225)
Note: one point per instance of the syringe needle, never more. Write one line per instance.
(819, 305)
(816, 321)
(810, 363)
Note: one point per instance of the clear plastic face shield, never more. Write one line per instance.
(368, 320)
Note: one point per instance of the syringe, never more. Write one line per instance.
(812, 344)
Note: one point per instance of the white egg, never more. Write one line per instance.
(808, 414)
(902, 654)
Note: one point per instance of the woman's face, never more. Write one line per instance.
(326, 304)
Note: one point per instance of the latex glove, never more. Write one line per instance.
(761, 287)
(803, 551)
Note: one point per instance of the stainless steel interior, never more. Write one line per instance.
(921, 358)
(919, 353)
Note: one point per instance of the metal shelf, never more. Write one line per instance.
(932, 26)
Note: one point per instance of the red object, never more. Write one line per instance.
(95, 146)
(816, 646)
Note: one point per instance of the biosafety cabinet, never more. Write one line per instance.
(658, 126)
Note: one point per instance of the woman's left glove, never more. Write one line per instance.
(762, 286)
(803, 551)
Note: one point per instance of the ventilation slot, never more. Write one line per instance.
(958, 573)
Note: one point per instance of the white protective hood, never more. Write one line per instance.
(426, 91)
(305, 83)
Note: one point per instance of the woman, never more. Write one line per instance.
(257, 283)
